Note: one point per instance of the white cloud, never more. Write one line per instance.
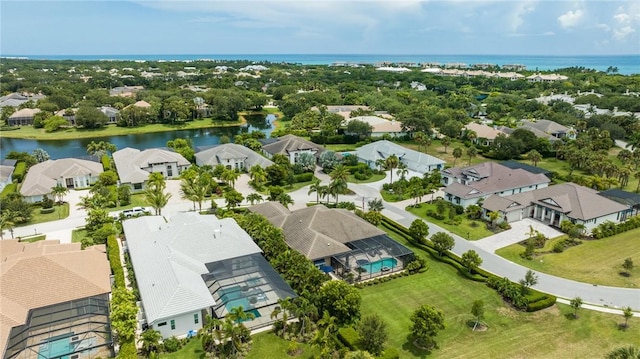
(570, 18)
(516, 17)
(622, 33)
(622, 18)
(603, 27)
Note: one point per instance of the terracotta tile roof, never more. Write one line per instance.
(35, 275)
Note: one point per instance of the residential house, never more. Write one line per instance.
(68, 172)
(546, 78)
(193, 266)
(550, 129)
(112, 114)
(380, 126)
(134, 166)
(529, 168)
(415, 161)
(467, 186)
(232, 156)
(554, 204)
(22, 117)
(630, 199)
(68, 114)
(485, 135)
(54, 300)
(16, 99)
(125, 91)
(337, 240)
(292, 147)
(6, 172)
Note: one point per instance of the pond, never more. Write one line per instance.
(78, 147)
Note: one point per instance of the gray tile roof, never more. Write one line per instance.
(317, 231)
(170, 258)
(493, 178)
(575, 201)
(290, 143)
(415, 161)
(214, 155)
(130, 161)
(44, 176)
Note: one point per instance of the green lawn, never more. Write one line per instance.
(137, 200)
(30, 132)
(31, 239)
(341, 147)
(470, 229)
(374, 178)
(594, 261)
(265, 345)
(60, 212)
(77, 235)
(511, 334)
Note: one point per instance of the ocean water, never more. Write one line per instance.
(626, 64)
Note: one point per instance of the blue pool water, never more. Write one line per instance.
(376, 267)
(56, 348)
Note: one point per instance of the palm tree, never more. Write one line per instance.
(254, 197)
(59, 192)
(421, 138)
(238, 315)
(154, 193)
(457, 153)
(315, 187)
(390, 163)
(575, 303)
(446, 141)
(230, 176)
(149, 340)
(629, 352)
(471, 152)
(7, 220)
(339, 176)
(285, 199)
(493, 217)
(258, 176)
(376, 205)
(403, 170)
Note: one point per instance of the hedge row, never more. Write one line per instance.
(113, 253)
(535, 300)
(106, 163)
(303, 177)
(19, 172)
(608, 229)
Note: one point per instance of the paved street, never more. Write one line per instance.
(598, 297)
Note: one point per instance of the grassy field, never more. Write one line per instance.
(29, 132)
(551, 333)
(470, 229)
(265, 345)
(594, 261)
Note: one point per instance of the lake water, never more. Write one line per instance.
(78, 147)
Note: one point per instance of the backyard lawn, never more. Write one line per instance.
(596, 261)
(469, 229)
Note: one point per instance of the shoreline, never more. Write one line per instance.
(30, 133)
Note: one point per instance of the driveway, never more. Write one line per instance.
(519, 231)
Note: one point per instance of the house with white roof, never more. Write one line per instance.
(546, 78)
(414, 160)
(232, 156)
(194, 266)
(554, 204)
(291, 146)
(468, 185)
(134, 166)
(67, 172)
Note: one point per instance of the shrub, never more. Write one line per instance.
(546, 302)
(106, 163)
(349, 337)
(172, 344)
(558, 247)
(435, 215)
(127, 350)
(303, 177)
(19, 172)
(47, 210)
(113, 254)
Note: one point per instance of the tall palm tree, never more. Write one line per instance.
(258, 176)
(155, 196)
(285, 199)
(230, 176)
(446, 141)
(339, 177)
(238, 315)
(7, 220)
(403, 170)
(315, 187)
(390, 163)
(457, 153)
(471, 152)
(254, 198)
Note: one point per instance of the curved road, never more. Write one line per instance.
(599, 296)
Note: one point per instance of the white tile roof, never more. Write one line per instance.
(415, 161)
(214, 155)
(130, 161)
(44, 176)
(169, 259)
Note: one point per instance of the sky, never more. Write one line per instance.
(444, 27)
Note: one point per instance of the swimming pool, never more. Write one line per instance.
(381, 265)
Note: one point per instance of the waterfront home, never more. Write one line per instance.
(22, 117)
(337, 240)
(193, 266)
(232, 156)
(68, 172)
(112, 114)
(55, 300)
(468, 185)
(134, 166)
(554, 204)
(292, 147)
(374, 152)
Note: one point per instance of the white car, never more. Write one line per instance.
(134, 212)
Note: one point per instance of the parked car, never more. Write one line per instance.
(134, 212)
